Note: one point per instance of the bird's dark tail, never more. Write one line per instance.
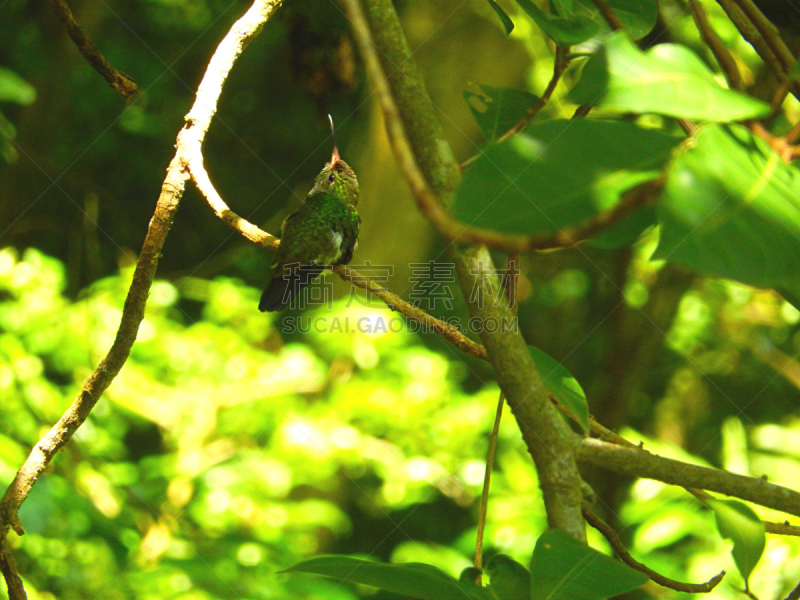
(285, 285)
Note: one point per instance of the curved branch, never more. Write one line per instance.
(625, 556)
(116, 79)
(189, 140)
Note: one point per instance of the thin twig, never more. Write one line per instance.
(718, 49)
(688, 126)
(793, 134)
(752, 34)
(769, 32)
(608, 15)
(625, 556)
(487, 478)
(190, 137)
(116, 79)
(582, 111)
(781, 528)
(561, 61)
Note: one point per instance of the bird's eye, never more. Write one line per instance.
(331, 177)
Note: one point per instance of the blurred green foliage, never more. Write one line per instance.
(223, 452)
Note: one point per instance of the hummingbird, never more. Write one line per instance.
(322, 233)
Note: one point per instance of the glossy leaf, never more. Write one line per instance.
(509, 580)
(562, 568)
(563, 31)
(731, 208)
(562, 385)
(14, 88)
(508, 24)
(737, 522)
(571, 23)
(668, 79)
(416, 580)
(558, 174)
(503, 108)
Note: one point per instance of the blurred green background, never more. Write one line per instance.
(230, 447)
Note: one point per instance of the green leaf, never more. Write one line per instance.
(508, 24)
(627, 230)
(504, 107)
(562, 385)
(562, 568)
(14, 88)
(575, 22)
(668, 79)
(558, 174)
(737, 522)
(731, 208)
(638, 17)
(563, 31)
(412, 579)
(563, 8)
(509, 579)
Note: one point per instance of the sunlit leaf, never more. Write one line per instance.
(14, 88)
(562, 385)
(562, 568)
(668, 79)
(508, 24)
(519, 186)
(416, 580)
(503, 108)
(731, 208)
(737, 522)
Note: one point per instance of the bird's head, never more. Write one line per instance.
(337, 178)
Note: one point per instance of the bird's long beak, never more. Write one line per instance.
(335, 155)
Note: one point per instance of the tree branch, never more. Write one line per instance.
(766, 48)
(549, 440)
(625, 556)
(116, 79)
(189, 140)
(769, 32)
(8, 566)
(641, 463)
(718, 49)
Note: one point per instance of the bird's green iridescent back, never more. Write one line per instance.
(323, 230)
